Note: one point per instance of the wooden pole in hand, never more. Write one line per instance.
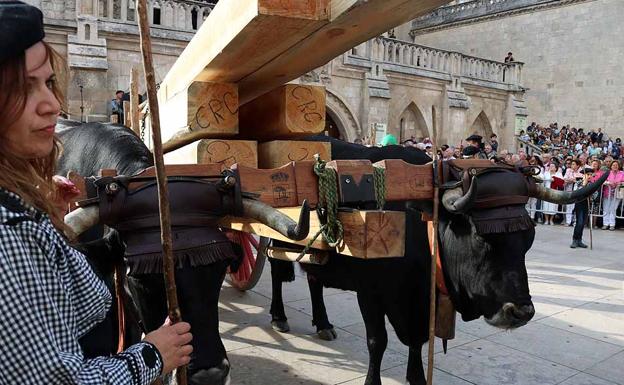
(434, 252)
(161, 178)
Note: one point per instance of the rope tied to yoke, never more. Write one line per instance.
(327, 207)
(380, 186)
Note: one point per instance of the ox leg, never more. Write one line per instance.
(415, 372)
(324, 328)
(198, 293)
(280, 272)
(376, 335)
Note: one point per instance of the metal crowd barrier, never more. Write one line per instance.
(596, 208)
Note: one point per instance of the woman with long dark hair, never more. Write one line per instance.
(50, 295)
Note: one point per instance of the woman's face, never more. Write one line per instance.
(595, 165)
(552, 168)
(31, 135)
(615, 166)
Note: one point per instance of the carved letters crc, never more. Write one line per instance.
(307, 105)
(214, 112)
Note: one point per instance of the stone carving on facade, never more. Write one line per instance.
(348, 125)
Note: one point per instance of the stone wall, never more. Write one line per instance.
(572, 55)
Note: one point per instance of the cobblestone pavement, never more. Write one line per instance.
(575, 338)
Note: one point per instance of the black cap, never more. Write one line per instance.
(475, 137)
(21, 26)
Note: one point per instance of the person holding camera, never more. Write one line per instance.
(581, 209)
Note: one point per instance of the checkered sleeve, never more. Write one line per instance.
(42, 313)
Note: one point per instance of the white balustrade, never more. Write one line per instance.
(413, 55)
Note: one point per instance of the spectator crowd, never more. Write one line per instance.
(566, 158)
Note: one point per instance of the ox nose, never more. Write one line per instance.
(520, 312)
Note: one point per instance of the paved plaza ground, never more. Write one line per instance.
(575, 338)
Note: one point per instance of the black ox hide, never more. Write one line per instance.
(87, 148)
(484, 274)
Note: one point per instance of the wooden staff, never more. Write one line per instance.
(434, 252)
(161, 178)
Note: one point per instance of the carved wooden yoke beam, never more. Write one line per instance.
(367, 233)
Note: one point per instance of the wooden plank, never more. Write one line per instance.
(352, 22)
(238, 37)
(315, 257)
(126, 109)
(288, 112)
(275, 187)
(280, 152)
(134, 101)
(368, 234)
(203, 110)
(373, 234)
(228, 152)
(307, 182)
(406, 181)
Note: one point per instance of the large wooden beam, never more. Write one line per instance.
(228, 152)
(280, 152)
(203, 110)
(288, 112)
(240, 36)
(352, 23)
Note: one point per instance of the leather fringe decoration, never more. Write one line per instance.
(197, 256)
(503, 225)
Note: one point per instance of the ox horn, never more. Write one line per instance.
(566, 197)
(456, 202)
(82, 219)
(282, 223)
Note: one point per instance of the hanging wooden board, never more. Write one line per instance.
(280, 152)
(288, 112)
(228, 152)
(275, 187)
(373, 234)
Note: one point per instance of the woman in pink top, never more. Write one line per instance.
(609, 195)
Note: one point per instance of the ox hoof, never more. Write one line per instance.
(218, 375)
(280, 326)
(327, 334)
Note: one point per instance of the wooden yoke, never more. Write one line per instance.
(405, 181)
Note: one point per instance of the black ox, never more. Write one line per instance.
(202, 252)
(485, 233)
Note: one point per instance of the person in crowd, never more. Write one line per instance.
(594, 200)
(552, 174)
(571, 177)
(51, 297)
(509, 58)
(477, 142)
(534, 205)
(612, 192)
(116, 106)
(494, 142)
(580, 208)
(489, 151)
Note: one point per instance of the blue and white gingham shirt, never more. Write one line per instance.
(49, 298)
